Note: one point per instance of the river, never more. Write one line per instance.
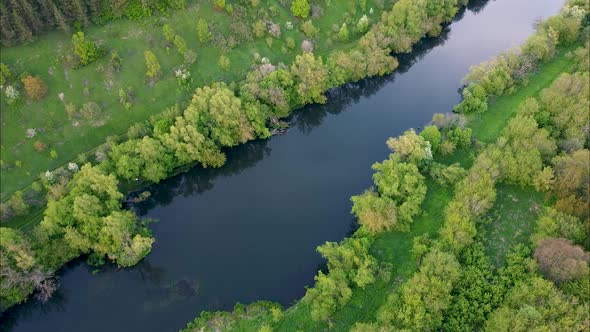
(248, 231)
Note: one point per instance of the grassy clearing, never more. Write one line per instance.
(21, 163)
(487, 126)
(511, 220)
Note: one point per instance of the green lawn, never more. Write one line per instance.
(21, 163)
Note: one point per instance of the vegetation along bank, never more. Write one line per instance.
(83, 214)
(478, 222)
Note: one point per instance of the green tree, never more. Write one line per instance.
(85, 49)
(203, 31)
(343, 33)
(153, 66)
(300, 8)
(312, 78)
(224, 62)
(432, 135)
(538, 305)
(218, 113)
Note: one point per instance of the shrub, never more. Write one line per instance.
(224, 62)
(168, 33)
(203, 31)
(219, 4)
(90, 110)
(153, 66)
(309, 29)
(307, 46)
(259, 28)
(86, 50)
(290, 43)
(39, 146)
(11, 94)
(34, 87)
(343, 34)
(363, 24)
(180, 44)
(5, 74)
(300, 8)
(115, 61)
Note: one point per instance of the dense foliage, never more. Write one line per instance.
(21, 20)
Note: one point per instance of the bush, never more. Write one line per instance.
(300, 8)
(309, 29)
(34, 87)
(203, 31)
(343, 34)
(86, 50)
(153, 66)
(224, 62)
(39, 146)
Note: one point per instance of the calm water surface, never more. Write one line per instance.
(248, 231)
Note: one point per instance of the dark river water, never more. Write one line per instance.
(248, 231)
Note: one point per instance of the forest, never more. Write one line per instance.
(520, 130)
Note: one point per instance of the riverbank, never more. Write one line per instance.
(396, 248)
(75, 138)
(217, 117)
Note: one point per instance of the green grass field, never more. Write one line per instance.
(21, 163)
(511, 220)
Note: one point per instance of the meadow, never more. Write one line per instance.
(73, 137)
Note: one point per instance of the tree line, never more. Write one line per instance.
(20, 20)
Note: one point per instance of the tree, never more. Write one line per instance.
(19, 270)
(376, 214)
(219, 4)
(421, 302)
(411, 147)
(432, 135)
(556, 224)
(474, 295)
(217, 113)
(403, 184)
(560, 261)
(153, 66)
(309, 29)
(203, 31)
(312, 78)
(224, 62)
(300, 8)
(537, 305)
(474, 100)
(169, 33)
(363, 24)
(34, 87)
(85, 49)
(343, 34)
(572, 178)
(180, 44)
(89, 217)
